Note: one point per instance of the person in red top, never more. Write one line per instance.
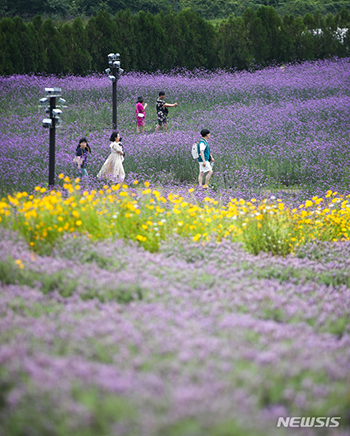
(140, 115)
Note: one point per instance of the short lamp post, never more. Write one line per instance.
(114, 72)
(52, 121)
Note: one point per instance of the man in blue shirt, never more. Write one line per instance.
(204, 159)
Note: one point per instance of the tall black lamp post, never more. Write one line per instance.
(114, 72)
(52, 121)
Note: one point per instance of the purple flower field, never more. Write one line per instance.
(198, 339)
(284, 130)
(212, 340)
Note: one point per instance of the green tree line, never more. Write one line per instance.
(166, 41)
(208, 9)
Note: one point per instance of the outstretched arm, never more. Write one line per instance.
(170, 105)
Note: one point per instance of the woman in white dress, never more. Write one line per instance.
(113, 169)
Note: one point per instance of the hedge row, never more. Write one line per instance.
(149, 42)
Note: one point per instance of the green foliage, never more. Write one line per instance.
(271, 234)
(232, 44)
(208, 9)
(101, 39)
(191, 427)
(41, 412)
(66, 284)
(10, 273)
(75, 39)
(121, 293)
(168, 40)
(127, 38)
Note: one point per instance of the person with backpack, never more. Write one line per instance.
(81, 155)
(205, 159)
(162, 111)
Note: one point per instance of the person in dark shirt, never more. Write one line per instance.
(162, 111)
(82, 153)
